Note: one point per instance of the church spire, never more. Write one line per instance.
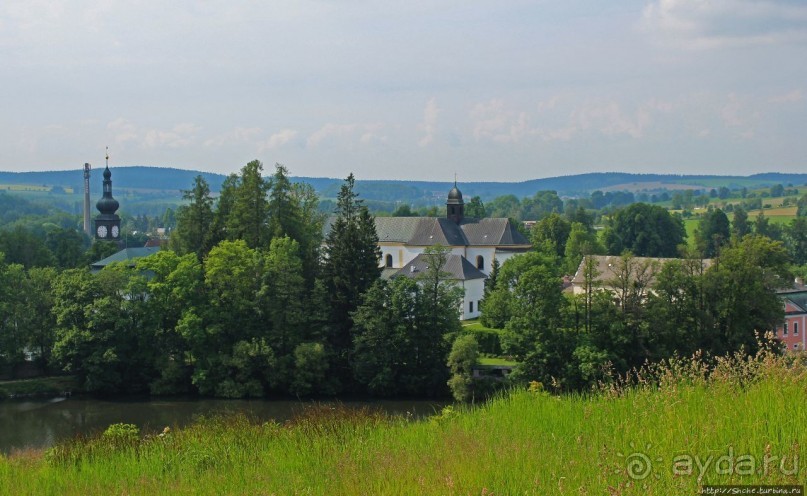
(455, 207)
(107, 224)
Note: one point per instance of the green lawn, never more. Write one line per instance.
(663, 437)
(497, 361)
(476, 325)
(40, 385)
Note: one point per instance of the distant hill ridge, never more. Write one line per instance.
(175, 180)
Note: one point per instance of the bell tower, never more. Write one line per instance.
(107, 224)
(455, 207)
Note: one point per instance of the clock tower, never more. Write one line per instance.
(107, 224)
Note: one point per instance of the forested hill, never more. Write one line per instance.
(173, 180)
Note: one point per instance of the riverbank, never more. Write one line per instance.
(40, 387)
(667, 435)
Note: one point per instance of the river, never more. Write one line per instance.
(36, 424)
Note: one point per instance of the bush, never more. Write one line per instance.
(487, 339)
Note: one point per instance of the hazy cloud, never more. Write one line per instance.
(122, 130)
(790, 97)
(429, 124)
(180, 135)
(724, 23)
(278, 139)
(237, 136)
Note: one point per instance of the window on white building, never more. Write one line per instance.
(389, 260)
(480, 262)
(471, 307)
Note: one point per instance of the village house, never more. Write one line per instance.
(791, 331)
(612, 273)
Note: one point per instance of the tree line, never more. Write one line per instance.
(251, 299)
(261, 293)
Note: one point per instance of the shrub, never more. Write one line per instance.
(488, 340)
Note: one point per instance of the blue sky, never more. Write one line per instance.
(508, 90)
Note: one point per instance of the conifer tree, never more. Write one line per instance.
(194, 221)
(350, 267)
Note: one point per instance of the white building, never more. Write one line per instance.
(474, 244)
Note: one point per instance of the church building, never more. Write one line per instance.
(474, 244)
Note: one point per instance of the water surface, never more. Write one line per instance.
(39, 424)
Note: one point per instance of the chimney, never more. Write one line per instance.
(87, 228)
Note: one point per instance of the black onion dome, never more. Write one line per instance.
(455, 195)
(107, 205)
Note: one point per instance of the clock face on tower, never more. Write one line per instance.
(101, 231)
(115, 231)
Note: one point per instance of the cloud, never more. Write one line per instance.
(278, 139)
(122, 130)
(237, 136)
(368, 133)
(178, 136)
(698, 24)
(429, 124)
(329, 130)
(494, 121)
(791, 97)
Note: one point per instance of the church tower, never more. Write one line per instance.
(107, 224)
(455, 207)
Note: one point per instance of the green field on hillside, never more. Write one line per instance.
(679, 427)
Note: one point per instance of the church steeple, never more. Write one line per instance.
(107, 225)
(455, 207)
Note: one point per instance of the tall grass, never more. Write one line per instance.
(622, 439)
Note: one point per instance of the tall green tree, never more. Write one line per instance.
(249, 218)
(795, 240)
(739, 225)
(740, 292)
(351, 267)
(224, 208)
(713, 232)
(552, 232)
(581, 242)
(194, 230)
(475, 208)
(644, 230)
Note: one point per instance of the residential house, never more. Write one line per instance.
(791, 331)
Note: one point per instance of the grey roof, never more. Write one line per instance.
(428, 231)
(434, 231)
(124, 255)
(496, 231)
(457, 267)
(799, 300)
(607, 266)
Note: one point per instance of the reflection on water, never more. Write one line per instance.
(41, 423)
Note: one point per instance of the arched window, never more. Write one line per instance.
(389, 260)
(480, 262)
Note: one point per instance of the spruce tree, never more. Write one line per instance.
(194, 221)
(350, 267)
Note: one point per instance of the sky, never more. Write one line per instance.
(421, 89)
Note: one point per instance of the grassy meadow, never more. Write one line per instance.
(672, 429)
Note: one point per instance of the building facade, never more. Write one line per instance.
(473, 246)
(791, 331)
